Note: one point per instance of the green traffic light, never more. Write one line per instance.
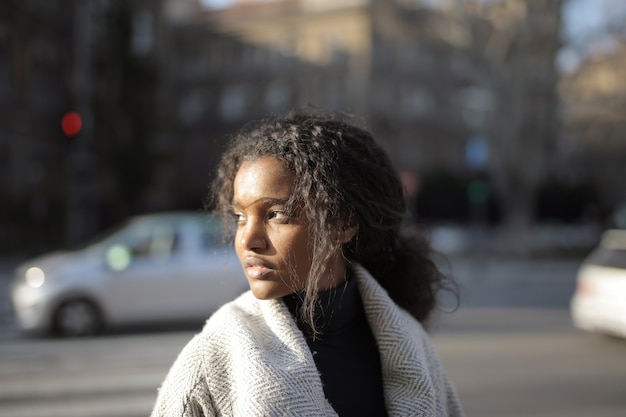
(478, 191)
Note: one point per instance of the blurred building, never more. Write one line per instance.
(441, 87)
(160, 83)
(398, 66)
(404, 71)
(35, 88)
(594, 107)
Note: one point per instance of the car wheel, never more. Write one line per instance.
(77, 318)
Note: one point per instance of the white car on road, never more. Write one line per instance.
(156, 268)
(599, 303)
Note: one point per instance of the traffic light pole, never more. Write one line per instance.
(82, 204)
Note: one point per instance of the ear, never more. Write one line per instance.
(348, 231)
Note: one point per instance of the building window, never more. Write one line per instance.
(476, 104)
(336, 48)
(142, 41)
(418, 58)
(253, 57)
(416, 101)
(277, 95)
(460, 66)
(192, 107)
(334, 94)
(233, 101)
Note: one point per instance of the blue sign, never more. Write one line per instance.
(477, 152)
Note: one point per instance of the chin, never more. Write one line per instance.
(263, 291)
(262, 295)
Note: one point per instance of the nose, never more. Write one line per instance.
(252, 236)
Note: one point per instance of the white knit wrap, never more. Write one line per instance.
(252, 360)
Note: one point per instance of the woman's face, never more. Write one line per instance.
(272, 245)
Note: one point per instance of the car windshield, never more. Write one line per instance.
(138, 228)
(614, 258)
(128, 233)
(108, 235)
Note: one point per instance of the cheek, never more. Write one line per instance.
(236, 240)
(301, 254)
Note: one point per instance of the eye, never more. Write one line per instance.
(278, 215)
(238, 217)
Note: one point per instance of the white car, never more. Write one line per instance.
(599, 303)
(155, 268)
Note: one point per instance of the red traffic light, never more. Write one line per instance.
(71, 124)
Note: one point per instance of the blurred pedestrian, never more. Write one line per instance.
(333, 322)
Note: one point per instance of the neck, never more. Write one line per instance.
(336, 274)
(334, 307)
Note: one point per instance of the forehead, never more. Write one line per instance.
(265, 177)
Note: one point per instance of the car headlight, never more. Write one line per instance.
(118, 257)
(34, 277)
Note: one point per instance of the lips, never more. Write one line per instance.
(256, 268)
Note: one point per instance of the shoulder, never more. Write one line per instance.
(408, 356)
(218, 330)
(244, 324)
(244, 311)
(205, 358)
(383, 313)
(183, 390)
(246, 305)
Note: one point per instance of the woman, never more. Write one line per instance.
(332, 324)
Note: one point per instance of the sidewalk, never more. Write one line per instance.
(7, 317)
(547, 240)
(7, 265)
(510, 282)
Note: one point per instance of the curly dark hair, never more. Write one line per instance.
(341, 176)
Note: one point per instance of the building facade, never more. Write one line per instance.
(160, 84)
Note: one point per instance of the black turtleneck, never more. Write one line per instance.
(344, 350)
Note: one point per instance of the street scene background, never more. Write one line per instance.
(510, 348)
(505, 119)
(506, 114)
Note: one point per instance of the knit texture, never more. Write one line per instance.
(252, 360)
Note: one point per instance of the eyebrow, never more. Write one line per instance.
(268, 202)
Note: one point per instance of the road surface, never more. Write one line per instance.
(510, 349)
